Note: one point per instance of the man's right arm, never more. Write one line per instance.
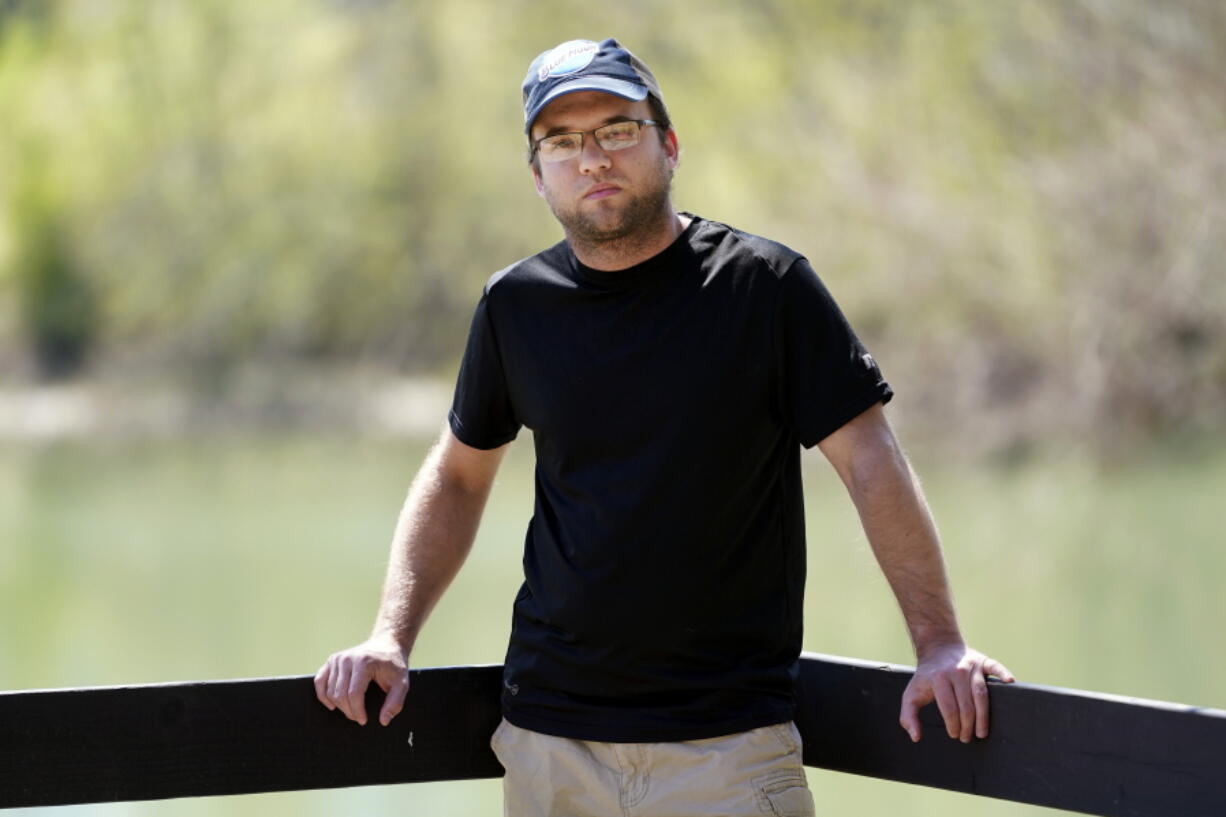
(433, 536)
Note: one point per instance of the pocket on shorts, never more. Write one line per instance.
(784, 793)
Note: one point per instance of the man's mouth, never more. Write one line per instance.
(601, 191)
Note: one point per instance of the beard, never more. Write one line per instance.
(636, 220)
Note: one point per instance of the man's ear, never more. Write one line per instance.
(672, 148)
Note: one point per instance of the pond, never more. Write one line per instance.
(253, 555)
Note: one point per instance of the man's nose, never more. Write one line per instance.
(592, 157)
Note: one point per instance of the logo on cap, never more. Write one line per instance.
(567, 58)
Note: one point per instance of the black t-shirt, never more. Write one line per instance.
(664, 564)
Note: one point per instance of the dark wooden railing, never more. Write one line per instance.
(1062, 748)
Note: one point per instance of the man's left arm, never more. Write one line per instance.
(904, 539)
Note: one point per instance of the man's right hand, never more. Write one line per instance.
(341, 682)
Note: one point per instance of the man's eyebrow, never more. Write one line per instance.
(556, 129)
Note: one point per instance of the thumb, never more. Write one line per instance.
(394, 702)
(908, 716)
(993, 667)
(908, 719)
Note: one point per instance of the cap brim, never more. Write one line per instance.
(608, 85)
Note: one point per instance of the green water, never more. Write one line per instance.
(251, 556)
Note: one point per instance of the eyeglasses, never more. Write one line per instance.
(561, 147)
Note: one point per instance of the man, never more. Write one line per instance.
(670, 369)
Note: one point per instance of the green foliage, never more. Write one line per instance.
(1018, 204)
(56, 304)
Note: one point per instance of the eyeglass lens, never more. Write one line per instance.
(614, 136)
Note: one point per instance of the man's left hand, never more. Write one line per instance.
(953, 675)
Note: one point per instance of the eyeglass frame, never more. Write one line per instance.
(642, 123)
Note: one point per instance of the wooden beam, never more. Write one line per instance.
(238, 737)
(1054, 747)
(1063, 748)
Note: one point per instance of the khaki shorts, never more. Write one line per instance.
(755, 772)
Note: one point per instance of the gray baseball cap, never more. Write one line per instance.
(585, 65)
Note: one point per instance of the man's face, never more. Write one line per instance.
(601, 195)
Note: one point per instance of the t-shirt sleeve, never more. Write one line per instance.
(482, 415)
(826, 376)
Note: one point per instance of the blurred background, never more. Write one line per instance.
(240, 244)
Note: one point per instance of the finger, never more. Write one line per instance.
(961, 683)
(339, 684)
(321, 686)
(947, 703)
(993, 667)
(356, 693)
(908, 719)
(979, 691)
(913, 699)
(395, 699)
